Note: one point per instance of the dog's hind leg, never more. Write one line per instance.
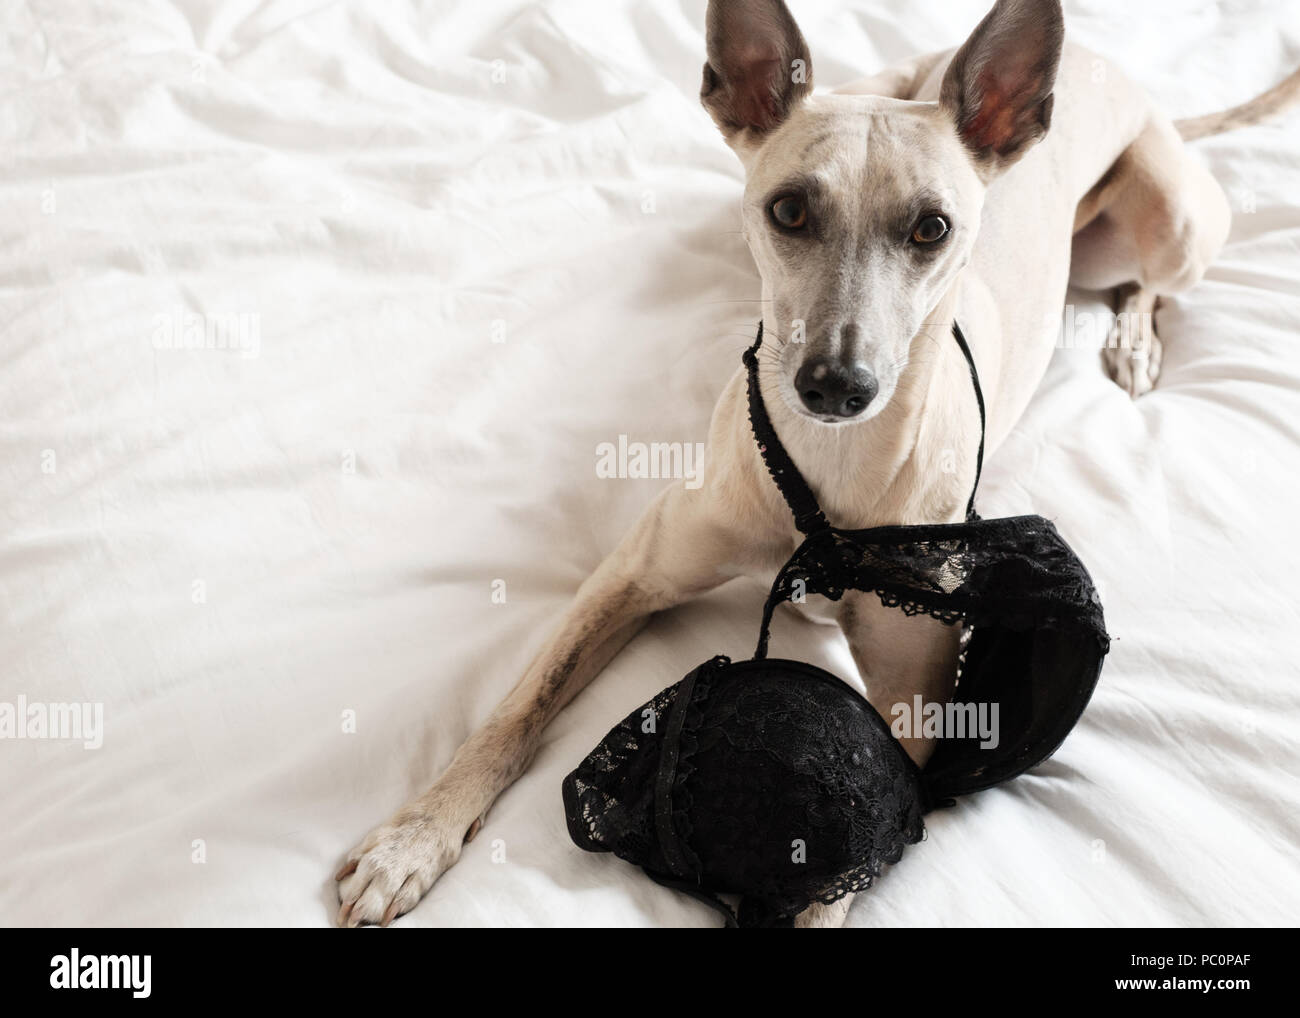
(1150, 227)
(1133, 351)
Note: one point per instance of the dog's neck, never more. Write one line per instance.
(914, 462)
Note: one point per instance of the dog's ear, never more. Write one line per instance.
(758, 66)
(998, 87)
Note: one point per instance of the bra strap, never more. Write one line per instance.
(979, 399)
(808, 516)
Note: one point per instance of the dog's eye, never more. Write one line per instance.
(790, 212)
(930, 229)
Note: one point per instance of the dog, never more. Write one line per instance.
(972, 184)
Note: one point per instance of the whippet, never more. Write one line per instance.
(972, 184)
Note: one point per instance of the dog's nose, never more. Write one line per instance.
(831, 387)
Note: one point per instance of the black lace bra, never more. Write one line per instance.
(778, 782)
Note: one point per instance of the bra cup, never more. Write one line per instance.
(1040, 681)
(781, 784)
(777, 781)
(609, 798)
(796, 789)
(1037, 633)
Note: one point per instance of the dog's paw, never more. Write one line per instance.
(1135, 371)
(392, 869)
(1133, 352)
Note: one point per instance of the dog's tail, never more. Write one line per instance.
(1277, 100)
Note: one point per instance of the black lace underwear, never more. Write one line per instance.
(774, 780)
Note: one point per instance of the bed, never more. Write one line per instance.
(313, 317)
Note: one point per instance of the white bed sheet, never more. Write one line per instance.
(230, 550)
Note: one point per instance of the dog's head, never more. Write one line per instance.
(861, 210)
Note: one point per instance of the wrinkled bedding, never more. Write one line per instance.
(312, 319)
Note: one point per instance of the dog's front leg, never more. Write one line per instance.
(677, 550)
(899, 657)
